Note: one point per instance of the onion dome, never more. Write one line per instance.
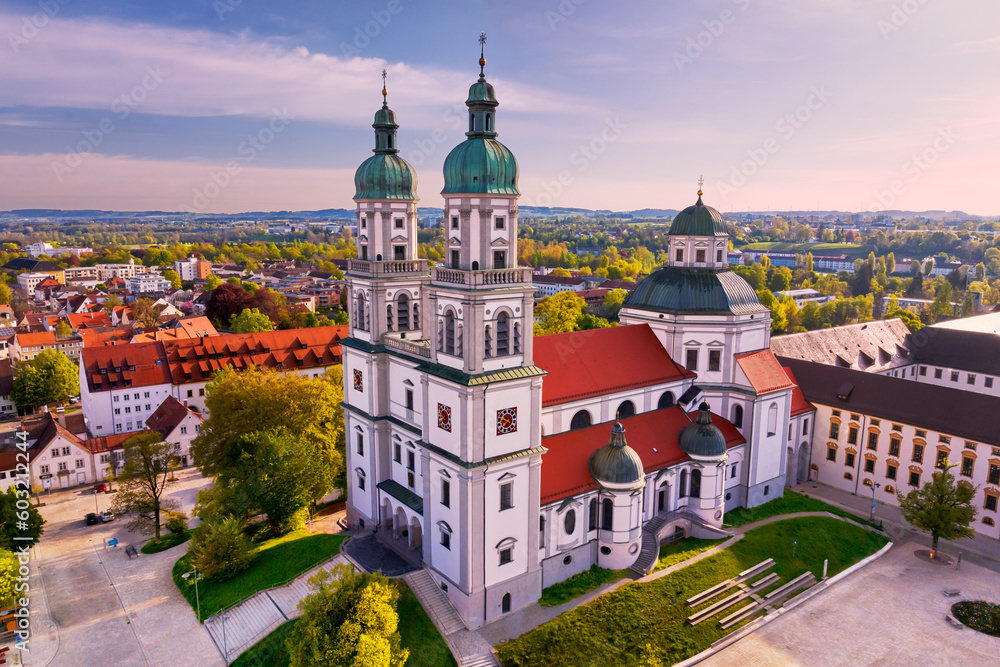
(481, 164)
(703, 439)
(698, 220)
(617, 463)
(684, 290)
(385, 175)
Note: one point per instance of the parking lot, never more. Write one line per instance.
(91, 604)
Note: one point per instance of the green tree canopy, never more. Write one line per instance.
(212, 282)
(6, 296)
(219, 548)
(8, 578)
(143, 482)
(48, 378)
(173, 277)
(558, 313)
(943, 507)
(251, 320)
(16, 522)
(63, 329)
(349, 620)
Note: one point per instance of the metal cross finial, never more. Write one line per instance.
(384, 91)
(482, 52)
(482, 42)
(701, 182)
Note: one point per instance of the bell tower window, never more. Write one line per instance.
(680, 255)
(399, 252)
(499, 259)
(454, 259)
(718, 256)
(699, 256)
(489, 123)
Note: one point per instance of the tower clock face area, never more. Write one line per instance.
(444, 417)
(506, 421)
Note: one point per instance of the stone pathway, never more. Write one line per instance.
(242, 626)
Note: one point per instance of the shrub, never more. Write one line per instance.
(220, 550)
(176, 522)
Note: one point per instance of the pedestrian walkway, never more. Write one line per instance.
(240, 627)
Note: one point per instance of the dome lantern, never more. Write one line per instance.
(385, 175)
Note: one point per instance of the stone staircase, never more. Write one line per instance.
(244, 625)
(481, 660)
(650, 551)
(436, 603)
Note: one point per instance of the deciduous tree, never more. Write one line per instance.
(219, 548)
(48, 378)
(18, 520)
(227, 301)
(145, 312)
(943, 507)
(143, 481)
(251, 320)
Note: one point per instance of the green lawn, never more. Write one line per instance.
(577, 585)
(681, 550)
(167, 541)
(278, 561)
(427, 647)
(787, 504)
(646, 622)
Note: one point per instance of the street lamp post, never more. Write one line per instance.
(196, 598)
(875, 486)
(225, 644)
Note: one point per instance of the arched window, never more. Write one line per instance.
(489, 123)
(475, 266)
(696, 483)
(517, 338)
(580, 420)
(608, 518)
(626, 409)
(592, 524)
(360, 323)
(666, 401)
(505, 603)
(488, 342)
(388, 317)
(569, 523)
(472, 122)
(388, 141)
(503, 335)
(449, 333)
(416, 315)
(772, 419)
(738, 416)
(682, 493)
(403, 312)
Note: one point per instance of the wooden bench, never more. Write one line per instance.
(952, 592)
(728, 602)
(954, 622)
(718, 589)
(741, 615)
(801, 581)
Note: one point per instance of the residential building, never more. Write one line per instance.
(122, 385)
(803, 296)
(28, 283)
(877, 346)
(549, 285)
(27, 346)
(36, 266)
(7, 406)
(958, 359)
(45, 248)
(193, 268)
(177, 424)
(148, 283)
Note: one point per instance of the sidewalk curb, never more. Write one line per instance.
(758, 623)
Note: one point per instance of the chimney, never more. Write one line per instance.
(61, 416)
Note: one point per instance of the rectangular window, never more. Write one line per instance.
(190, 393)
(410, 461)
(184, 430)
(399, 223)
(201, 392)
(62, 466)
(128, 410)
(732, 472)
(65, 451)
(831, 454)
(500, 223)
(499, 259)
(970, 379)
(836, 413)
(699, 256)
(988, 383)
(115, 399)
(954, 376)
(506, 496)
(994, 476)
(855, 417)
(869, 465)
(834, 431)
(920, 434)
(805, 426)
(852, 435)
(894, 446)
(849, 460)
(876, 422)
(942, 460)
(914, 479)
(991, 503)
(445, 493)
(946, 439)
(898, 428)
(692, 360)
(79, 463)
(967, 463)
(44, 470)
(872, 440)
(361, 482)
(148, 407)
(397, 453)
(714, 360)
(455, 259)
(446, 539)
(118, 411)
(918, 453)
(454, 222)
(937, 373)
(506, 556)
(146, 395)
(399, 252)
(679, 254)
(890, 472)
(361, 445)
(923, 370)
(409, 399)
(410, 480)
(364, 249)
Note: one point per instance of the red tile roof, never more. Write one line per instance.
(166, 417)
(601, 361)
(36, 339)
(139, 365)
(94, 338)
(94, 319)
(197, 359)
(653, 435)
(764, 371)
(105, 443)
(799, 402)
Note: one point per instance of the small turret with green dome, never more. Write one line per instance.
(481, 164)
(385, 175)
(703, 439)
(616, 463)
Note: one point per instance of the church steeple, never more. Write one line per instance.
(385, 125)
(482, 101)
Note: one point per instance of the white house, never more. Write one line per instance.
(122, 385)
(148, 283)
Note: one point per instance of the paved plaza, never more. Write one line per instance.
(891, 612)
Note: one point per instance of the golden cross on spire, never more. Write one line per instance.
(482, 52)
(701, 182)
(384, 91)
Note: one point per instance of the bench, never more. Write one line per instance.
(954, 622)
(741, 615)
(710, 593)
(131, 552)
(952, 592)
(733, 599)
(801, 581)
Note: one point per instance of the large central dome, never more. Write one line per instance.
(684, 290)
(698, 220)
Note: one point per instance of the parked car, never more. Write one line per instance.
(90, 519)
(7, 416)
(107, 516)
(74, 399)
(101, 486)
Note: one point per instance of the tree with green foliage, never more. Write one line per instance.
(173, 277)
(219, 548)
(349, 620)
(143, 481)
(980, 272)
(6, 296)
(779, 279)
(9, 574)
(809, 262)
(778, 320)
(18, 521)
(260, 413)
(558, 313)
(251, 320)
(145, 312)
(212, 282)
(942, 301)
(111, 302)
(63, 329)
(47, 379)
(911, 320)
(943, 507)
(890, 263)
(613, 301)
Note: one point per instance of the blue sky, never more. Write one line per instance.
(781, 105)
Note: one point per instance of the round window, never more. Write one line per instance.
(570, 522)
(606, 551)
(718, 514)
(634, 548)
(729, 497)
(567, 560)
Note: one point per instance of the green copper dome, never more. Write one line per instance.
(683, 290)
(703, 439)
(385, 175)
(698, 220)
(481, 164)
(616, 462)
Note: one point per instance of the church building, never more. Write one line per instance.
(504, 463)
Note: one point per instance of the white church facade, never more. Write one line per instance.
(504, 463)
